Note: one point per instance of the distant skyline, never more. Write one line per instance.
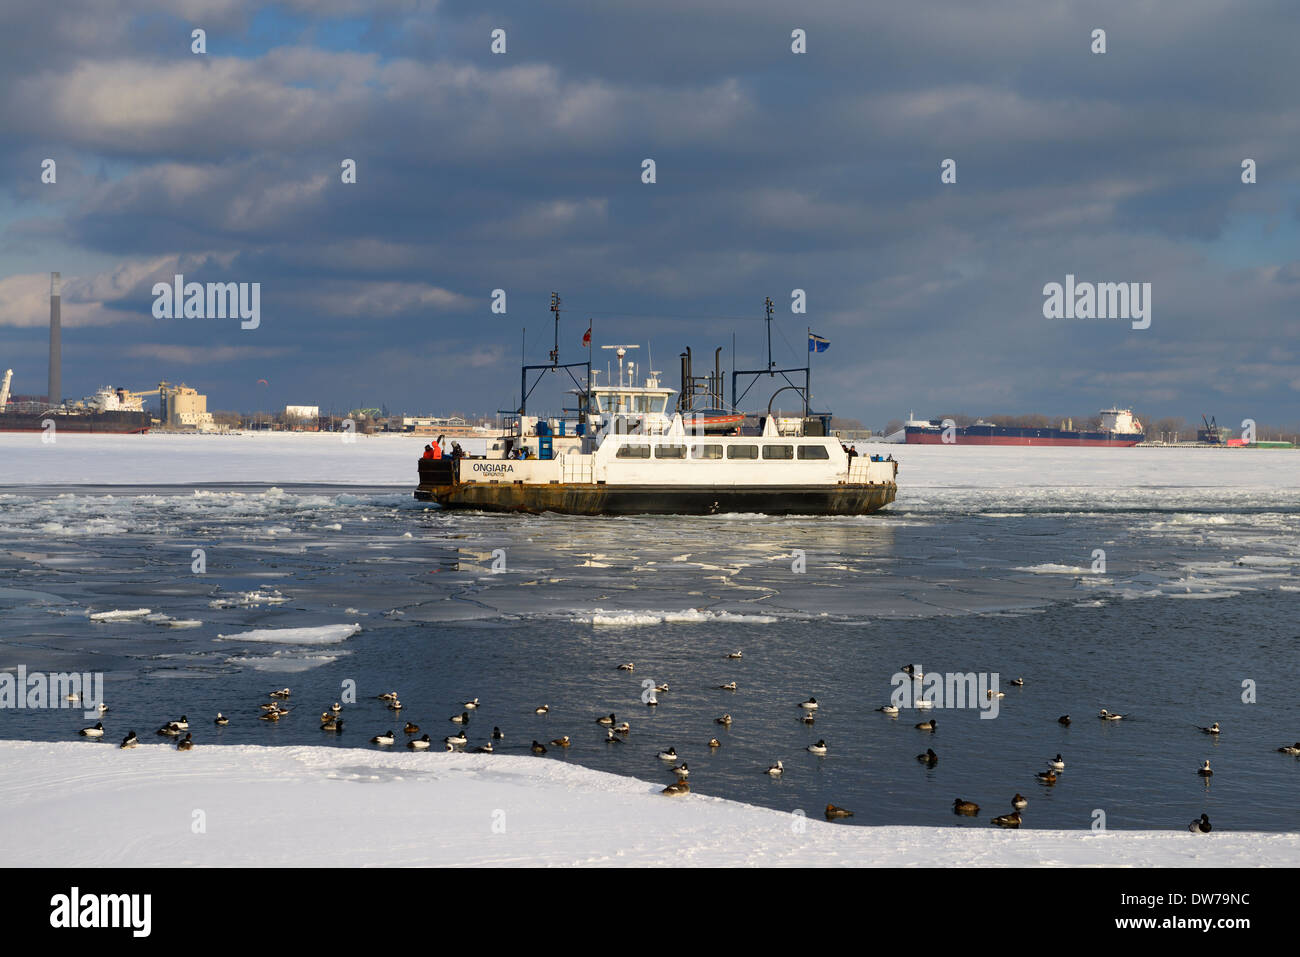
(775, 171)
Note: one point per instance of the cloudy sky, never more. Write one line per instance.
(775, 171)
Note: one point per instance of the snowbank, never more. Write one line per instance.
(84, 804)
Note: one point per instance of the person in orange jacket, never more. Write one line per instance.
(432, 452)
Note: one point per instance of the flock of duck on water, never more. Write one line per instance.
(616, 732)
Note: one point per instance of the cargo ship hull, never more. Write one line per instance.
(112, 423)
(1022, 437)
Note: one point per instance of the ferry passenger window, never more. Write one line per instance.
(670, 452)
(742, 451)
(813, 452)
(706, 451)
(633, 452)
(778, 451)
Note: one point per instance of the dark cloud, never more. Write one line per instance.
(775, 172)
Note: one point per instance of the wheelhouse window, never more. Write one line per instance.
(633, 452)
(706, 451)
(813, 452)
(670, 451)
(778, 451)
(742, 451)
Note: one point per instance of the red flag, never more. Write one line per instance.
(586, 337)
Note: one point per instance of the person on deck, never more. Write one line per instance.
(428, 452)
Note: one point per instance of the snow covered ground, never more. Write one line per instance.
(83, 804)
(285, 458)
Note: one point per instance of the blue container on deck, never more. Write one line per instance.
(544, 447)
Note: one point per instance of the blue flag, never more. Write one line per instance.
(817, 343)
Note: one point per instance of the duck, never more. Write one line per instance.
(1019, 800)
(1107, 716)
(330, 724)
(395, 705)
(1057, 763)
(1046, 777)
(818, 748)
(182, 725)
(714, 743)
(102, 708)
(652, 701)
(470, 705)
(1204, 770)
(282, 693)
(96, 732)
(273, 715)
(669, 755)
(326, 716)
(272, 706)
(419, 744)
(1064, 719)
(929, 757)
(888, 709)
(497, 735)
(1008, 820)
(629, 666)
(622, 728)
(607, 719)
(809, 705)
(776, 770)
(834, 813)
(729, 686)
(462, 718)
(72, 696)
(913, 671)
(336, 707)
(1212, 729)
(662, 688)
(809, 717)
(995, 694)
(927, 725)
(483, 748)
(682, 771)
(678, 787)
(130, 741)
(170, 731)
(562, 742)
(410, 728)
(390, 696)
(1201, 825)
(544, 709)
(186, 743)
(725, 721)
(1290, 748)
(968, 808)
(221, 719)
(384, 739)
(538, 748)
(1017, 682)
(736, 655)
(455, 740)
(612, 738)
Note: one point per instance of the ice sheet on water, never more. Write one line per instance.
(314, 635)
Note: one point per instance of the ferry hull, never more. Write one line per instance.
(588, 499)
(437, 484)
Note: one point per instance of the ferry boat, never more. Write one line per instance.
(629, 454)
